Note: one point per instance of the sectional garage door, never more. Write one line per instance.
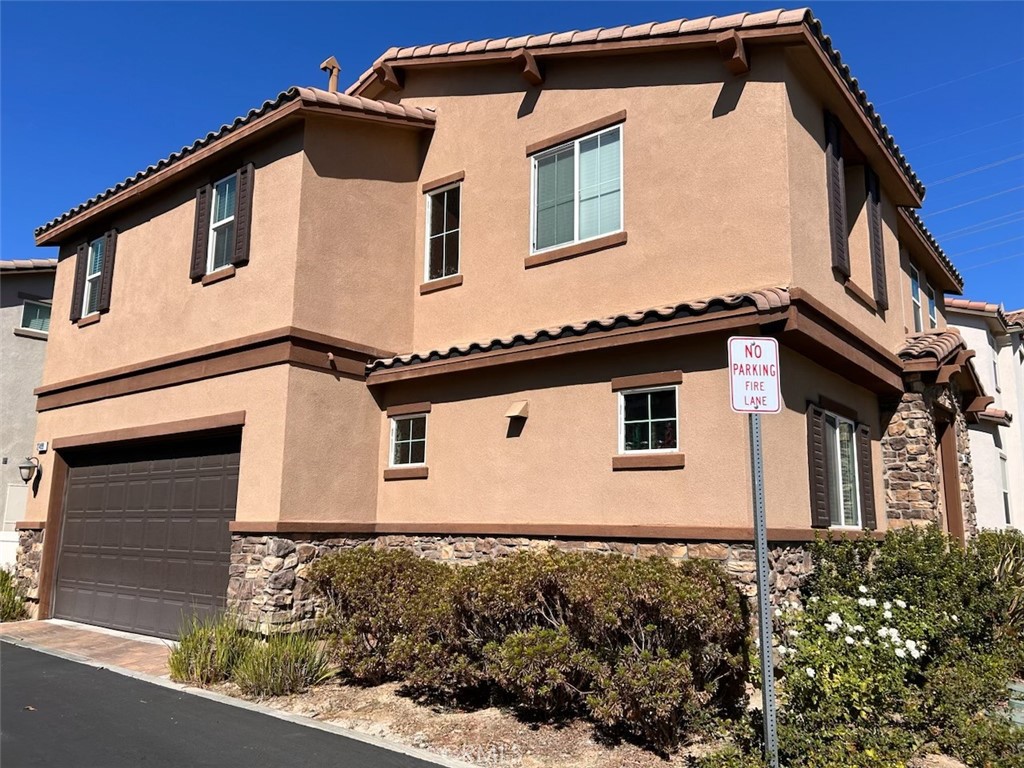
(145, 540)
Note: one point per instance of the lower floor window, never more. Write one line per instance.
(843, 488)
(648, 420)
(408, 440)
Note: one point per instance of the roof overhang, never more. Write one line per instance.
(928, 255)
(995, 416)
(991, 314)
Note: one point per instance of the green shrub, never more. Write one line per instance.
(281, 664)
(208, 650)
(12, 599)
(371, 596)
(730, 757)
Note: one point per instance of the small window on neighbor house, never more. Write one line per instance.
(915, 298)
(408, 440)
(1004, 476)
(444, 215)
(93, 276)
(648, 420)
(35, 316)
(222, 224)
(843, 488)
(577, 190)
(995, 363)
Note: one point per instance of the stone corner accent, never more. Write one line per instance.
(28, 559)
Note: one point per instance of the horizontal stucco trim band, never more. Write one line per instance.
(30, 525)
(294, 346)
(574, 133)
(651, 461)
(662, 378)
(452, 281)
(444, 181)
(408, 409)
(576, 249)
(166, 429)
(658, 532)
(407, 473)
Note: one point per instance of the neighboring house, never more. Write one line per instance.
(997, 433)
(26, 289)
(318, 326)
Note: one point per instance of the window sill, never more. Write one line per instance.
(649, 461)
(861, 295)
(406, 473)
(92, 319)
(441, 284)
(576, 249)
(29, 333)
(221, 274)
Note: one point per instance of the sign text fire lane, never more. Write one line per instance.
(754, 374)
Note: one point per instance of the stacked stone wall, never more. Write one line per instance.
(28, 560)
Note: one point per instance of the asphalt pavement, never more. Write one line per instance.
(59, 713)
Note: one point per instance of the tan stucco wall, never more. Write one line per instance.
(155, 309)
(704, 181)
(558, 471)
(355, 277)
(260, 393)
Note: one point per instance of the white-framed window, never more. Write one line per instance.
(649, 420)
(222, 224)
(995, 362)
(577, 190)
(444, 221)
(93, 276)
(843, 485)
(1005, 478)
(409, 440)
(915, 298)
(35, 316)
(932, 316)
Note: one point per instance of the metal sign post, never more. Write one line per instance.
(754, 389)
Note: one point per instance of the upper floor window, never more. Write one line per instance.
(932, 317)
(577, 190)
(222, 223)
(35, 316)
(648, 420)
(843, 488)
(409, 440)
(915, 298)
(93, 276)
(444, 214)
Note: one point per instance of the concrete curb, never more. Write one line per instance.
(166, 682)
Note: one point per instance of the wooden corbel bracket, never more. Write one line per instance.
(388, 77)
(531, 69)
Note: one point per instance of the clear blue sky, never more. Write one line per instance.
(92, 92)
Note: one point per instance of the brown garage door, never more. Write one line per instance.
(145, 539)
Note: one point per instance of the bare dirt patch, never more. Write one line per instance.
(488, 737)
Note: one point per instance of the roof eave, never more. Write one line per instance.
(951, 282)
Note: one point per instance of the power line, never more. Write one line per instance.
(971, 171)
(995, 261)
(1018, 212)
(950, 82)
(990, 245)
(964, 133)
(985, 151)
(979, 230)
(976, 200)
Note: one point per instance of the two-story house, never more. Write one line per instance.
(480, 301)
(997, 433)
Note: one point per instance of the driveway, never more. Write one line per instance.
(57, 712)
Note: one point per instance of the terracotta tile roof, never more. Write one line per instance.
(996, 414)
(764, 300)
(976, 306)
(1015, 319)
(937, 344)
(1009, 320)
(930, 238)
(341, 102)
(777, 18)
(28, 265)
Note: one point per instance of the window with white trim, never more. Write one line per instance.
(915, 298)
(93, 276)
(577, 190)
(222, 224)
(444, 216)
(409, 440)
(841, 455)
(1005, 477)
(648, 420)
(995, 362)
(35, 316)
(932, 316)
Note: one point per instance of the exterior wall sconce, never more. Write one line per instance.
(27, 469)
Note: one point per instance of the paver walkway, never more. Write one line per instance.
(138, 654)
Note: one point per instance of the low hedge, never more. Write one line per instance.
(646, 649)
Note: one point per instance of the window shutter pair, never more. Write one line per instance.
(106, 276)
(874, 202)
(836, 185)
(817, 458)
(243, 220)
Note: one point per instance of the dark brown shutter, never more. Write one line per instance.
(81, 262)
(866, 478)
(817, 461)
(107, 276)
(243, 214)
(836, 195)
(200, 242)
(874, 200)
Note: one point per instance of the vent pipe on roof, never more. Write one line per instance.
(331, 65)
